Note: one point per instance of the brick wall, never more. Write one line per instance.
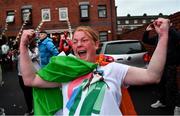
(100, 24)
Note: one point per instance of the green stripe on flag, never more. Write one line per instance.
(98, 103)
(90, 100)
(78, 98)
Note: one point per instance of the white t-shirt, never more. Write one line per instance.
(114, 74)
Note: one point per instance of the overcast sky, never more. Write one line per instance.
(150, 7)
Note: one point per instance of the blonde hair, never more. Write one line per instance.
(89, 31)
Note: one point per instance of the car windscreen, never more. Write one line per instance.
(124, 48)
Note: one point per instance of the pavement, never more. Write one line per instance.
(11, 96)
(13, 103)
(143, 97)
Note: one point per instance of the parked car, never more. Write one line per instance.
(130, 52)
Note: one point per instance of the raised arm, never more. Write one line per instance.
(29, 76)
(139, 76)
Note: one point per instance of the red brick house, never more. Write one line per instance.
(99, 14)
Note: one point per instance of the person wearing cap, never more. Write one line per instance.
(46, 47)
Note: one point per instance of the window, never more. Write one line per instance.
(119, 28)
(118, 22)
(103, 36)
(63, 14)
(144, 21)
(45, 14)
(10, 17)
(26, 15)
(102, 11)
(135, 21)
(132, 27)
(84, 12)
(126, 21)
(124, 48)
(152, 20)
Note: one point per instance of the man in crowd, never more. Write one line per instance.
(46, 47)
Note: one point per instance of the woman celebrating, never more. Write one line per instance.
(88, 87)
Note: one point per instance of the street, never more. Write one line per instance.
(11, 96)
(12, 100)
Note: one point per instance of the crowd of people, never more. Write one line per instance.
(8, 55)
(79, 83)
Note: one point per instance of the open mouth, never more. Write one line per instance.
(82, 53)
